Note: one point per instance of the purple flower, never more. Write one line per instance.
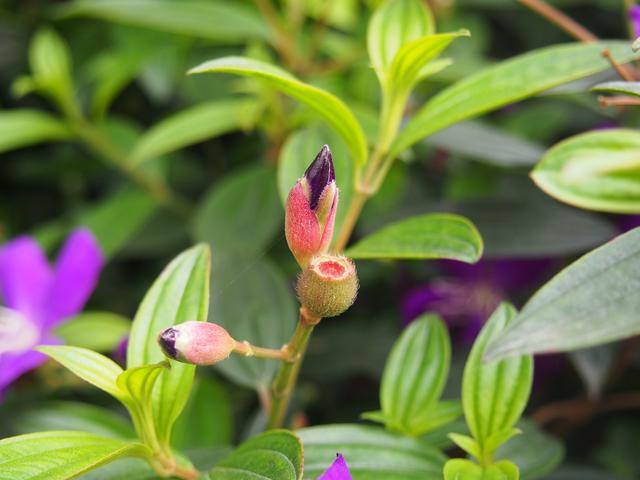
(339, 470)
(634, 16)
(468, 294)
(38, 297)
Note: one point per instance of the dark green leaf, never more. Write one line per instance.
(222, 22)
(22, 128)
(423, 237)
(593, 301)
(60, 455)
(331, 108)
(180, 294)
(372, 453)
(508, 82)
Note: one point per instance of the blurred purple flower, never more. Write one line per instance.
(634, 16)
(339, 470)
(627, 222)
(468, 294)
(37, 297)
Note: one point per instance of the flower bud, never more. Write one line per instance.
(328, 286)
(199, 343)
(310, 211)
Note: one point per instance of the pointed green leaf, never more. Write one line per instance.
(92, 367)
(60, 455)
(180, 294)
(80, 331)
(494, 394)
(595, 170)
(593, 301)
(138, 382)
(624, 88)
(459, 469)
(466, 443)
(415, 374)
(22, 128)
(273, 455)
(331, 108)
(193, 125)
(423, 237)
(222, 22)
(394, 24)
(372, 453)
(508, 82)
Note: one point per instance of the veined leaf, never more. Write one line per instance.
(92, 367)
(460, 469)
(372, 453)
(60, 455)
(414, 376)
(593, 301)
(22, 128)
(138, 382)
(273, 455)
(423, 237)
(331, 108)
(222, 22)
(624, 88)
(394, 24)
(508, 82)
(597, 170)
(193, 125)
(80, 331)
(180, 294)
(494, 394)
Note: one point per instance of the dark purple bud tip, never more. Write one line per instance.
(319, 174)
(167, 340)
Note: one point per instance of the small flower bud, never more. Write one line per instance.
(328, 286)
(310, 211)
(199, 343)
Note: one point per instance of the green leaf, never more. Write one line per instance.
(459, 469)
(99, 331)
(494, 394)
(535, 452)
(180, 294)
(22, 128)
(59, 455)
(372, 453)
(273, 455)
(394, 24)
(487, 144)
(207, 419)
(50, 62)
(625, 88)
(222, 22)
(226, 217)
(515, 79)
(298, 152)
(595, 170)
(267, 320)
(423, 237)
(118, 218)
(467, 444)
(138, 383)
(193, 125)
(592, 301)
(331, 108)
(92, 367)
(415, 375)
(83, 417)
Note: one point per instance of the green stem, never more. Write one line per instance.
(285, 380)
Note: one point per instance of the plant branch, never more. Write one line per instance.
(564, 22)
(248, 350)
(618, 101)
(285, 381)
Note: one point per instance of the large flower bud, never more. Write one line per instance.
(311, 209)
(328, 286)
(198, 343)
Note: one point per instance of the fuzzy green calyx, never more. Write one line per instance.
(328, 286)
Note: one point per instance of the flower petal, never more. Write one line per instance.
(339, 470)
(25, 276)
(76, 274)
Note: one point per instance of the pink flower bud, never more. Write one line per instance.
(199, 343)
(328, 286)
(310, 212)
